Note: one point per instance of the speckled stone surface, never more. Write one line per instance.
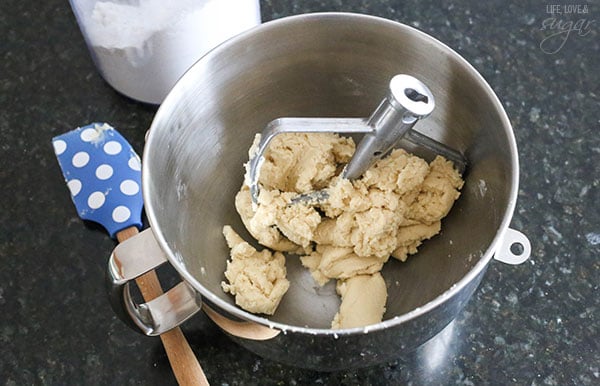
(534, 324)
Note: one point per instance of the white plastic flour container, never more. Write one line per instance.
(142, 47)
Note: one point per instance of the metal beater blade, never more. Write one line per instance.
(407, 101)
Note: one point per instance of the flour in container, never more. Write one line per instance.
(142, 47)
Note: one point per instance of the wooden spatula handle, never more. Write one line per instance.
(183, 361)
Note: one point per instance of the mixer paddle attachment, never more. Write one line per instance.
(408, 100)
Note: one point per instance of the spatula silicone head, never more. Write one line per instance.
(103, 173)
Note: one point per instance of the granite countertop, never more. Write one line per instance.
(534, 324)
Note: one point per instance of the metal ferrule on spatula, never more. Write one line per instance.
(407, 101)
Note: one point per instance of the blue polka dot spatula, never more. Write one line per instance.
(103, 174)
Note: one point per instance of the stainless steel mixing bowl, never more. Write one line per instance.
(322, 65)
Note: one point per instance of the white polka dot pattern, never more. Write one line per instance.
(81, 159)
(112, 148)
(59, 147)
(129, 187)
(96, 200)
(134, 163)
(121, 214)
(88, 135)
(103, 174)
(74, 187)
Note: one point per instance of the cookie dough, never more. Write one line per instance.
(256, 279)
(329, 262)
(396, 205)
(274, 223)
(363, 301)
(302, 162)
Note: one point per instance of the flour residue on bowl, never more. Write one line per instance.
(482, 187)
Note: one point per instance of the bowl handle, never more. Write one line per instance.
(517, 240)
(131, 259)
(140, 254)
